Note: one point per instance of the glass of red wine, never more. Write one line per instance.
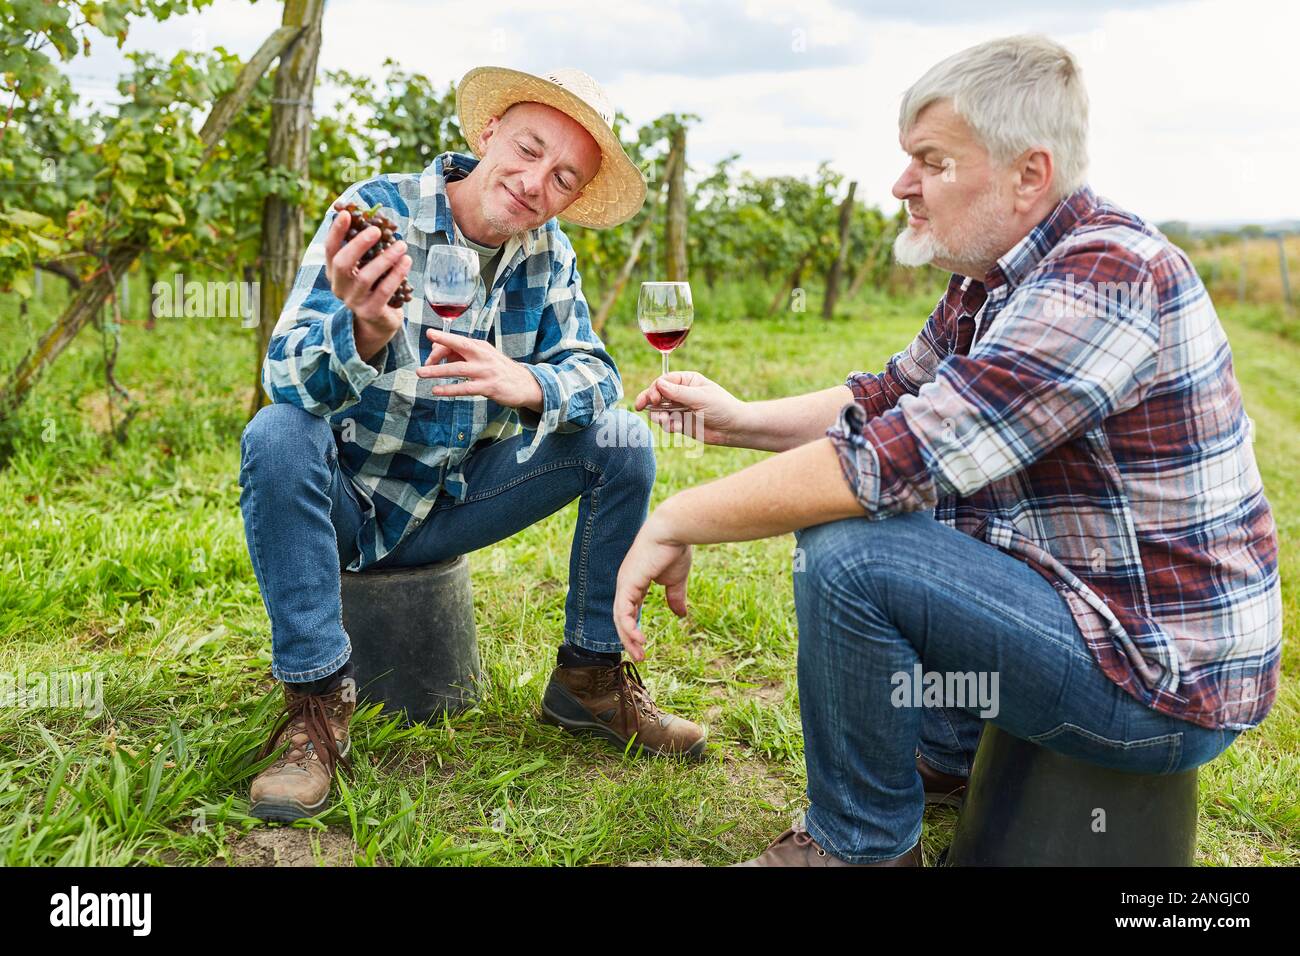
(451, 280)
(665, 313)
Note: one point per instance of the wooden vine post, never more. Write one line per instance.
(287, 148)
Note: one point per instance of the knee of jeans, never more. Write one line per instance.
(284, 434)
(623, 440)
(849, 552)
(868, 541)
(825, 553)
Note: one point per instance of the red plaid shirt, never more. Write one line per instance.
(1094, 429)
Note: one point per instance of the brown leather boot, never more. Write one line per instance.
(941, 789)
(612, 701)
(315, 729)
(795, 847)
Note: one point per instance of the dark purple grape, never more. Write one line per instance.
(387, 236)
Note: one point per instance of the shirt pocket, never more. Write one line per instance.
(433, 419)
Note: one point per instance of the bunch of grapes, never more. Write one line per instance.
(387, 236)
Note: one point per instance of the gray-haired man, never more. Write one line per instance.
(1104, 557)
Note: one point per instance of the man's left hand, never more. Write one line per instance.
(654, 557)
(486, 371)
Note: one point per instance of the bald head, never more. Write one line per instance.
(535, 162)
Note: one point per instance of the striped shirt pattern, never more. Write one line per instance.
(1092, 427)
(399, 444)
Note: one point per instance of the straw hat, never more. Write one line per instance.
(616, 193)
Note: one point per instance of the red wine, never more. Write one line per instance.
(448, 311)
(665, 340)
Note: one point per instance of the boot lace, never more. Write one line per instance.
(307, 714)
(633, 690)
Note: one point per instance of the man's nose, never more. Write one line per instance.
(530, 181)
(908, 183)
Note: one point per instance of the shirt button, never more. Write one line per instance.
(460, 436)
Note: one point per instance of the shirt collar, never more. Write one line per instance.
(433, 210)
(1020, 259)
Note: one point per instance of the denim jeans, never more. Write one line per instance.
(877, 598)
(301, 519)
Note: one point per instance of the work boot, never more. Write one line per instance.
(941, 789)
(795, 847)
(611, 700)
(315, 729)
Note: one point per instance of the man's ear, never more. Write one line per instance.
(1035, 173)
(486, 133)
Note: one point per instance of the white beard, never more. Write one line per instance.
(914, 249)
(975, 241)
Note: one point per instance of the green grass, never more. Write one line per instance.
(128, 561)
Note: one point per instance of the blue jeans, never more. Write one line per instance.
(881, 603)
(301, 520)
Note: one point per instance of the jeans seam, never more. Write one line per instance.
(1176, 756)
(976, 597)
(1175, 739)
(552, 466)
(839, 753)
(256, 542)
(953, 743)
(333, 471)
(583, 556)
(945, 767)
(256, 553)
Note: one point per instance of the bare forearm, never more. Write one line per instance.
(796, 489)
(785, 423)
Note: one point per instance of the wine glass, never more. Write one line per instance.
(451, 280)
(665, 313)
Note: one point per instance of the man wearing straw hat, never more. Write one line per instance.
(370, 457)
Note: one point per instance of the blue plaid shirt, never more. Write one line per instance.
(398, 444)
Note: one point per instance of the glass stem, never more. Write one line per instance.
(665, 355)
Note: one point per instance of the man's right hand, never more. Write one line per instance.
(375, 322)
(714, 415)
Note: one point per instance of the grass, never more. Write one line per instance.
(128, 562)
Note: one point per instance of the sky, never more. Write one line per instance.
(1195, 112)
